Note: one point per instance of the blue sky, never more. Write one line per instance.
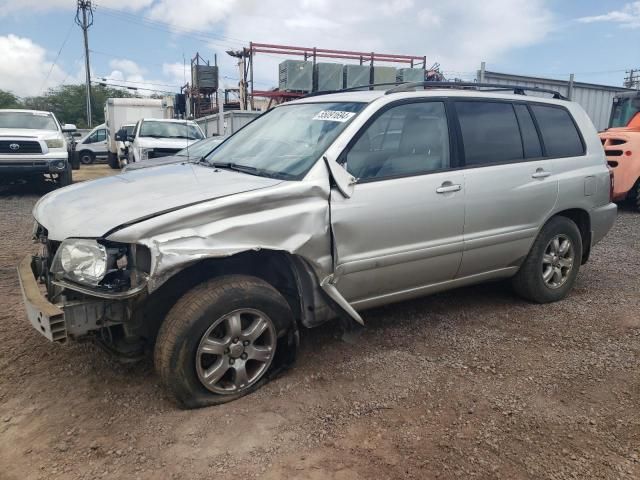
(143, 42)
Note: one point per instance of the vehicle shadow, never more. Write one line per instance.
(34, 186)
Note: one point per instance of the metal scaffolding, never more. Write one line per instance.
(311, 54)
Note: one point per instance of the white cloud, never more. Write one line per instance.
(129, 67)
(24, 67)
(191, 14)
(458, 35)
(628, 16)
(8, 7)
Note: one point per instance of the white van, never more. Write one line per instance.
(93, 145)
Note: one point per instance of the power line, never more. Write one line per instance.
(64, 42)
(169, 27)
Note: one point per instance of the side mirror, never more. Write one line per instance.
(130, 138)
(69, 127)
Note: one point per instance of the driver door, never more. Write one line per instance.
(402, 228)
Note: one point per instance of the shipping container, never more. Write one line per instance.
(234, 120)
(384, 75)
(328, 76)
(595, 99)
(295, 76)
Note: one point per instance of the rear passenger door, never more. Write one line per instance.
(510, 185)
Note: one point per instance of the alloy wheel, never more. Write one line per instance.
(557, 261)
(236, 351)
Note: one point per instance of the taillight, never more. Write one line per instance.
(610, 184)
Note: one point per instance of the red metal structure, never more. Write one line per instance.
(313, 54)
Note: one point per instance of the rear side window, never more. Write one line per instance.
(559, 134)
(490, 132)
(530, 140)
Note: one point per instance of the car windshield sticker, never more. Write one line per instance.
(333, 116)
(40, 114)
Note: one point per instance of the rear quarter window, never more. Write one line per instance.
(559, 133)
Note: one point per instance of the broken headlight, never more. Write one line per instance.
(81, 260)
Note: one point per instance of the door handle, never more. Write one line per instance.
(447, 187)
(541, 173)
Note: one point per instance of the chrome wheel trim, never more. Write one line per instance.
(557, 261)
(236, 351)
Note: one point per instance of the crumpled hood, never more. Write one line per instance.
(27, 132)
(91, 209)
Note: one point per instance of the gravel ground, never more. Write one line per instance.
(470, 383)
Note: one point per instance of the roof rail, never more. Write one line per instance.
(516, 89)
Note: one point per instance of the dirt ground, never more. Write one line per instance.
(474, 383)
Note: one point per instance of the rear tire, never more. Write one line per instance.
(86, 157)
(551, 267)
(205, 353)
(635, 197)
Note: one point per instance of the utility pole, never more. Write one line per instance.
(632, 80)
(242, 55)
(84, 18)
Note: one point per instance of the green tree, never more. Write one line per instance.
(9, 100)
(68, 103)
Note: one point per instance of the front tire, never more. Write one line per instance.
(222, 340)
(551, 267)
(87, 158)
(113, 161)
(65, 178)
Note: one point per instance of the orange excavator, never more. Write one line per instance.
(621, 142)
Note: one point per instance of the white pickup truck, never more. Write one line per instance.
(32, 143)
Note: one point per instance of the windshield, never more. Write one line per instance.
(161, 129)
(28, 120)
(288, 140)
(624, 110)
(201, 148)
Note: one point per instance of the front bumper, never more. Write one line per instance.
(602, 219)
(45, 317)
(23, 166)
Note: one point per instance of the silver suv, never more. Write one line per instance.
(321, 208)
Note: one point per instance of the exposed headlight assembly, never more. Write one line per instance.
(54, 143)
(81, 260)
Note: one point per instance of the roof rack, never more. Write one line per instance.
(495, 87)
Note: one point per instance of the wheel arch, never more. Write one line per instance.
(582, 219)
(291, 275)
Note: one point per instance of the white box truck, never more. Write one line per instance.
(122, 111)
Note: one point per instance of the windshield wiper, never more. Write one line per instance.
(249, 170)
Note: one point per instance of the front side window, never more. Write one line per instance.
(408, 139)
(286, 141)
(93, 138)
(490, 132)
(101, 135)
(559, 134)
(158, 129)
